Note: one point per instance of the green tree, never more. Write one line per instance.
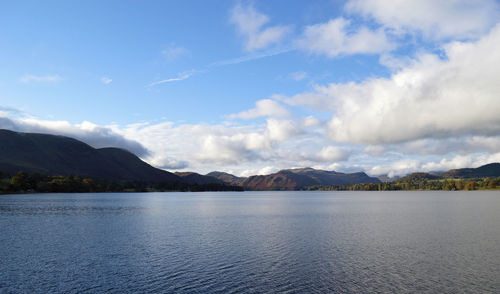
(20, 182)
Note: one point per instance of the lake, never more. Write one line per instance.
(251, 242)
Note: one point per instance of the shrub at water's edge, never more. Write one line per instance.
(37, 183)
(423, 184)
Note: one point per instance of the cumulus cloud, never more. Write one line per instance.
(334, 153)
(205, 147)
(250, 24)
(29, 78)
(276, 144)
(396, 168)
(165, 162)
(333, 39)
(267, 170)
(280, 130)
(264, 107)
(430, 98)
(311, 121)
(198, 145)
(433, 19)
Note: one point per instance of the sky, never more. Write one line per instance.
(251, 87)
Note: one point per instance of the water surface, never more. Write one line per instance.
(251, 242)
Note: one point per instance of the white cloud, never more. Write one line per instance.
(173, 52)
(334, 153)
(430, 98)
(397, 168)
(374, 150)
(481, 143)
(311, 121)
(250, 57)
(461, 161)
(264, 148)
(106, 80)
(207, 147)
(297, 76)
(264, 107)
(280, 130)
(28, 78)
(169, 163)
(407, 166)
(394, 63)
(223, 150)
(250, 22)
(180, 77)
(433, 19)
(333, 39)
(267, 170)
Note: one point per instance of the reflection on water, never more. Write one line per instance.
(293, 242)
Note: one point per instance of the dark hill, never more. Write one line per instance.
(197, 179)
(417, 177)
(323, 177)
(59, 155)
(488, 170)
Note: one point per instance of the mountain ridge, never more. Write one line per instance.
(60, 155)
(295, 179)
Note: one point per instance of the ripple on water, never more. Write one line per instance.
(292, 242)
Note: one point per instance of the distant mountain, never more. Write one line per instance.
(295, 179)
(227, 178)
(323, 177)
(282, 180)
(386, 178)
(197, 179)
(59, 155)
(488, 170)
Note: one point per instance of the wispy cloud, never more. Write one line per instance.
(335, 38)
(29, 78)
(250, 57)
(250, 24)
(297, 76)
(173, 52)
(180, 77)
(187, 74)
(106, 80)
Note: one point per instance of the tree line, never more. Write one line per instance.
(38, 183)
(441, 184)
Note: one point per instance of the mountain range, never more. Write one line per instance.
(59, 155)
(488, 170)
(295, 179)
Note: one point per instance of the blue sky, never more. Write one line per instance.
(255, 86)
